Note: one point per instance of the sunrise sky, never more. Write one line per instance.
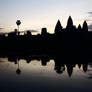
(35, 14)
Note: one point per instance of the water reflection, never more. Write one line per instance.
(18, 71)
(60, 68)
(60, 65)
(38, 73)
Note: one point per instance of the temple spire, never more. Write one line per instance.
(85, 27)
(70, 21)
(58, 27)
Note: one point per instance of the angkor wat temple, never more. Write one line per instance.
(67, 39)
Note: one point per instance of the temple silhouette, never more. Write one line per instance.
(67, 47)
(64, 45)
(67, 38)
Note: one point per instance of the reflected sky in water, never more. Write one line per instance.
(37, 78)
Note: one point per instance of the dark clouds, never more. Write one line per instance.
(89, 12)
(33, 31)
(90, 27)
(89, 20)
(1, 29)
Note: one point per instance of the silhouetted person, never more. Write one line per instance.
(28, 34)
(16, 31)
(44, 61)
(58, 27)
(28, 60)
(59, 67)
(85, 27)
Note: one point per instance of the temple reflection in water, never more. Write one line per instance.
(60, 64)
(49, 72)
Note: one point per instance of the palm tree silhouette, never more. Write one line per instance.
(18, 71)
(18, 22)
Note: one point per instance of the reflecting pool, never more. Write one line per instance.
(40, 76)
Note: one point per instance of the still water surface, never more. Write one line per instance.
(35, 77)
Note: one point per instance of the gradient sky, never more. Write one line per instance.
(36, 14)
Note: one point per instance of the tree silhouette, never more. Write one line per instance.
(18, 22)
(18, 71)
